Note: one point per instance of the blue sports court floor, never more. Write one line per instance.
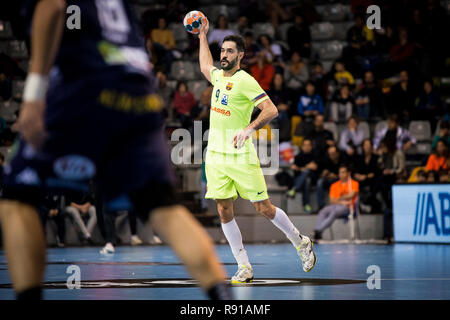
(408, 271)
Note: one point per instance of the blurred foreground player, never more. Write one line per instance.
(232, 165)
(97, 118)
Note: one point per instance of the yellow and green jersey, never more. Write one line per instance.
(232, 102)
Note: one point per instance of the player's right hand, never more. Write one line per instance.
(31, 123)
(204, 27)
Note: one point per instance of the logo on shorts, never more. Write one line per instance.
(229, 86)
(260, 193)
(74, 167)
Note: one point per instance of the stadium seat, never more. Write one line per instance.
(8, 110)
(5, 30)
(263, 28)
(329, 50)
(322, 31)
(18, 49)
(183, 70)
(331, 126)
(283, 30)
(197, 87)
(380, 125)
(179, 33)
(438, 128)
(364, 126)
(340, 29)
(420, 148)
(421, 130)
(17, 89)
(334, 12)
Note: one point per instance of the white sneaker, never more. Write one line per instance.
(135, 241)
(155, 240)
(306, 253)
(243, 275)
(108, 248)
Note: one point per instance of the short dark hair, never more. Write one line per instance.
(393, 118)
(445, 125)
(344, 166)
(238, 40)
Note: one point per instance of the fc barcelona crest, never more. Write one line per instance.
(229, 86)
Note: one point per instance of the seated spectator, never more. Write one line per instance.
(275, 12)
(166, 92)
(329, 168)
(243, 25)
(163, 43)
(429, 104)
(183, 103)
(203, 108)
(351, 138)
(444, 133)
(305, 168)
(80, 210)
(272, 50)
(318, 78)
(369, 98)
(341, 75)
(439, 160)
(296, 72)
(278, 95)
(263, 71)
(444, 176)
(366, 173)
(310, 104)
(299, 37)
(216, 36)
(5, 87)
(402, 98)
(322, 139)
(342, 104)
(251, 50)
(402, 138)
(51, 209)
(343, 198)
(421, 176)
(401, 54)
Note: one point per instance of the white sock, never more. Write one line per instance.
(282, 221)
(234, 237)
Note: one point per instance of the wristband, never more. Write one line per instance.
(35, 87)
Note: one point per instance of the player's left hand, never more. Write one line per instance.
(241, 137)
(31, 123)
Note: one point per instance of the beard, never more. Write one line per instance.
(230, 64)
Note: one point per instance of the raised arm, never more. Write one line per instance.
(205, 57)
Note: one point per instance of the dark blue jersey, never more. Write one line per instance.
(108, 44)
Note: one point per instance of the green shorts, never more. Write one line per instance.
(230, 174)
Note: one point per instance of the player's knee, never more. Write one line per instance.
(225, 210)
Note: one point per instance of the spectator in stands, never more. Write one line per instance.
(79, 210)
(251, 51)
(429, 104)
(401, 137)
(369, 98)
(296, 72)
(203, 108)
(341, 75)
(329, 168)
(322, 139)
(272, 50)
(444, 176)
(367, 173)
(342, 104)
(343, 198)
(183, 103)
(279, 96)
(351, 138)
(309, 106)
(243, 25)
(166, 93)
(318, 78)
(5, 87)
(439, 160)
(163, 43)
(444, 133)
(299, 37)
(418, 30)
(51, 209)
(401, 54)
(276, 12)
(359, 38)
(305, 169)
(402, 98)
(263, 71)
(217, 35)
